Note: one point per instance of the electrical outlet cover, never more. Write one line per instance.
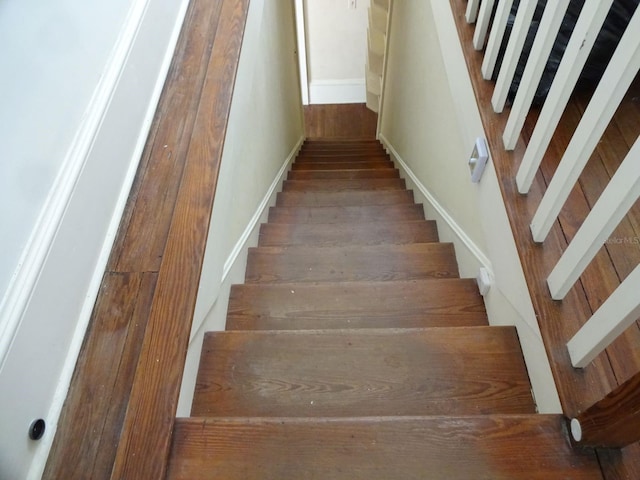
(478, 159)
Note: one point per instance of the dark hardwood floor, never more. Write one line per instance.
(352, 120)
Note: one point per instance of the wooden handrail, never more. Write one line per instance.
(614, 421)
(147, 427)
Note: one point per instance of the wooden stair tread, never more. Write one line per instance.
(400, 304)
(362, 372)
(342, 174)
(489, 447)
(344, 198)
(363, 233)
(341, 157)
(343, 165)
(349, 263)
(345, 184)
(348, 214)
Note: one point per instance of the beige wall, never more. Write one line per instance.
(264, 133)
(418, 117)
(336, 38)
(429, 121)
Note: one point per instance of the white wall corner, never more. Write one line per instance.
(469, 255)
(337, 91)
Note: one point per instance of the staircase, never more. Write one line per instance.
(354, 350)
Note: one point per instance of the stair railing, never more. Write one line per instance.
(620, 410)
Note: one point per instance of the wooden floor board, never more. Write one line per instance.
(488, 447)
(340, 121)
(91, 421)
(353, 198)
(362, 372)
(362, 263)
(410, 304)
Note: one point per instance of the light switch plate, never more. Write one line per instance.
(478, 159)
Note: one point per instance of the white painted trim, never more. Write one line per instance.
(350, 90)
(301, 32)
(442, 211)
(385, 62)
(33, 258)
(241, 245)
(119, 114)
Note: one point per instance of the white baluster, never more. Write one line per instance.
(615, 315)
(621, 193)
(472, 10)
(482, 24)
(545, 38)
(495, 38)
(513, 52)
(584, 35)
(615, 82)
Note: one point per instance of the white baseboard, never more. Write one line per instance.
(233, 272)
(337, 91)
(462, 239)
(50, 301)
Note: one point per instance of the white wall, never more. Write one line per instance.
(336, 36)
(264, 134)
(429, 121)
(78, 89)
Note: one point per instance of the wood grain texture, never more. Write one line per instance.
(351, 214)
(614, 421)
(339, 156)
(91, 420)
(488, 447)
(406, 304)
(365, 372)
(145, 225)
(362, 263)
(343, 165)
(336, 121)
(144, 444)
(342, 174)
(349, 198)
(329, 234)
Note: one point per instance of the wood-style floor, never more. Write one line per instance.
(340, 121)
(560, 320)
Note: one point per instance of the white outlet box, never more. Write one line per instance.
(478, 159)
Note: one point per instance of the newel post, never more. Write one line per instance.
(612, 422)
